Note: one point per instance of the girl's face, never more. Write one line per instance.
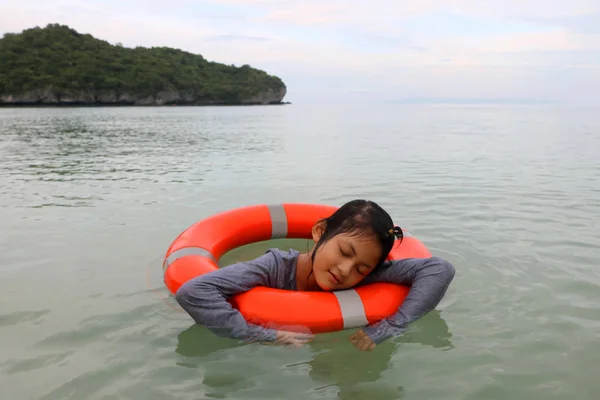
(344, 260)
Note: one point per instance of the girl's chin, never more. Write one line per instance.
(325, 285)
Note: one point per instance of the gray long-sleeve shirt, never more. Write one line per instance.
(205, 297)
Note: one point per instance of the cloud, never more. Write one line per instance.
(141, 28)
(338, 11)
(229, 37)
(381, 49)
(583, 24)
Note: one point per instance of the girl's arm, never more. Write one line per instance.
(205, 298)
(429, 279)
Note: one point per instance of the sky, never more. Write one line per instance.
(356, 51)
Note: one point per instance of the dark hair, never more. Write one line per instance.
(360, 217)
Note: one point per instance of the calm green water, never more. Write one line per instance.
(91, 199)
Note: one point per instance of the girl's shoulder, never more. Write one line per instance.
(285, 263)
(275, 268)
(275, 258)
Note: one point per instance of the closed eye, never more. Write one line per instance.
(362, 271)
(342, 251)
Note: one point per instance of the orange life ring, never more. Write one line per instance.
(197, 250)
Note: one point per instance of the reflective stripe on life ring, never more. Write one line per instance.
(196, 251)
(279, 223)
(352, 308)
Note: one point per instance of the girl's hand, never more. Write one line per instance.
(362, 341)
(293, 338)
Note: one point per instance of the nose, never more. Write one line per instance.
(345, 268)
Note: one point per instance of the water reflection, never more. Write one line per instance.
(335, 367)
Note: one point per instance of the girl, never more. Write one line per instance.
(351, 248)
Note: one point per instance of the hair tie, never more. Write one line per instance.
(396, 231)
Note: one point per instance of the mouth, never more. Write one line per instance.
(334, 278)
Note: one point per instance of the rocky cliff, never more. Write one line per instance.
(48, 96)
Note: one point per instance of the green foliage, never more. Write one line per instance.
(68, 63)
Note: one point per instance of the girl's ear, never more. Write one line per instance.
(317, 231)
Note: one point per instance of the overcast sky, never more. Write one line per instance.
(387, 50)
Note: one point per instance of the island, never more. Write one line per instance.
(57, 65)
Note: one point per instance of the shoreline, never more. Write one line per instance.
(99, 105)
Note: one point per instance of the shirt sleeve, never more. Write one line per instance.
(204, 298)
(429, 279)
